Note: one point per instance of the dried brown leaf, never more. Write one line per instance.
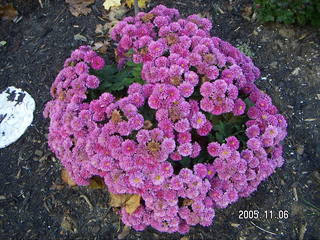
(66, 178)
(141, 3)
(8, 12)
(101, 47)
(111, 4)
(80, 7)
(99, 29)
(185, 238)
(97, 182)
(130, 201)
(133, 203)
(118, 200)
(247, 12)
(187, 202)
(124, 233)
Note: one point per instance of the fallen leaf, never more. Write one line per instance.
(118, 200)
(111, 3)
(187, 202)
(68, 224)
(141, 3)
(247, 12)
(130, 201)
(80, 7)
(133, 203)
(185, 238)
(56, 186)
(113, 17)
(66, 178)
(8, 12)
(79, 37)
(99, 29)
(118, 13)
(101, 47)
(124, 233)
(97, 182)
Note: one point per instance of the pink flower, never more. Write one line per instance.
(186, 89)
(185, 149)
(156, 48)
(198, 120)
(128, 147)
(253, 131)
(81, 68)
(212, 72)
(97, 63)
(200, 170)
(191, 77)
(213, 149)
(254, 143)
(184, 137)
(232, 142)
(206, 89)
(176, 183)
(175, 156)
(182, 125)
(207, 105)
(239, 107)
(205, 129)
(168, 145)
(92, 82)
(196, 149)
(157, 178)
(137, 179)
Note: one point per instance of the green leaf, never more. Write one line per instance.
(185, 162)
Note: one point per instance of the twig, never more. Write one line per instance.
(262, 229)
(303, 230)
(40, 2)
(136, 7)
(87, 201)
(295, 194)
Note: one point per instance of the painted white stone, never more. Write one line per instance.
(16, 114)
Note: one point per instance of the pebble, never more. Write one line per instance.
(38, 153)
(300, 149)
(68, 224)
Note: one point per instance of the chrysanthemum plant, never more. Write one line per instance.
(176, 121)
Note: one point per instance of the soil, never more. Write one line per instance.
(35, 204)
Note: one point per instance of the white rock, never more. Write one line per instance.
(16, 114)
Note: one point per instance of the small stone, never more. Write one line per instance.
(274, 64)
(235, 225)
(38, 153)
(296, 71)
(79, 37)
(68, 224)
(124, 233)
(2, 197)
(95, 229)
(300, 149)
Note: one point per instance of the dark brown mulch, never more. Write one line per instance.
(34, 204)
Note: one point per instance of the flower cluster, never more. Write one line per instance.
(139, 143)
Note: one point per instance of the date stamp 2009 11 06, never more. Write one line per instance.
(267, 214)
